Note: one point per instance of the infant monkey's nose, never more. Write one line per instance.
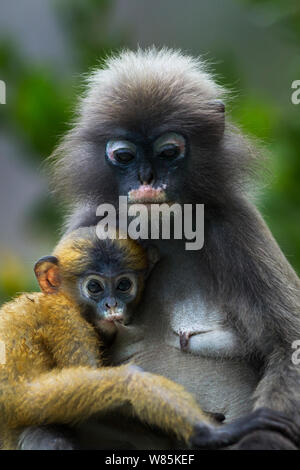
(111, 303)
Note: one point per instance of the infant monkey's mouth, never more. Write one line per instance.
(114, 317)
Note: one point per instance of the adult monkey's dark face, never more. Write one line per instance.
(147, 169)
(151, 127)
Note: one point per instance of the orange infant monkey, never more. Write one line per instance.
(54, 373)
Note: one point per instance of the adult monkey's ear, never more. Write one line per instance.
(214, 117)
(47, 273)
(217, 105)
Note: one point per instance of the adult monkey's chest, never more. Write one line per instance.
(175, 302)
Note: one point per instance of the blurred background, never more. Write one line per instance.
(46, 46)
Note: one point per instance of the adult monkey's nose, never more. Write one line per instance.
(146, 175)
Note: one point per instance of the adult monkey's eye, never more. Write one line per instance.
(94, 286)
(169, 151)
(124, 284)
(120, 151)
(170, 146)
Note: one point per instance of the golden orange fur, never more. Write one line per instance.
(53, 371)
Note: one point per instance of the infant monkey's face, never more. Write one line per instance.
(106, 278)
(110, 295)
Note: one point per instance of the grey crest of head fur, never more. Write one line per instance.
(142, 90)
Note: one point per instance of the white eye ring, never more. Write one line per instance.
(170, 138)
(133, 288)
(113, 146)
(87, 292)
(124, 284)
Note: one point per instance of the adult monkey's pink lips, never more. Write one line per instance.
(147, 194)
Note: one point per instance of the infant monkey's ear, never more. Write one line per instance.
(153, 258)
(47, 273)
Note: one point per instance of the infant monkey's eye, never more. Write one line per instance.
(94, 286)
(124, 284)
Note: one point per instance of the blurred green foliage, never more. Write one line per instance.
(39, 108)
(279, 129)
(41, 102)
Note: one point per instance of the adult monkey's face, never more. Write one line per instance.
(151, 127)
(148, 170)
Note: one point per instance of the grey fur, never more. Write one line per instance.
(240, 277)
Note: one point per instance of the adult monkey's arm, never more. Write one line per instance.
(261, 293)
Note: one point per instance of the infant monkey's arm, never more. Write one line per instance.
(72, 395)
